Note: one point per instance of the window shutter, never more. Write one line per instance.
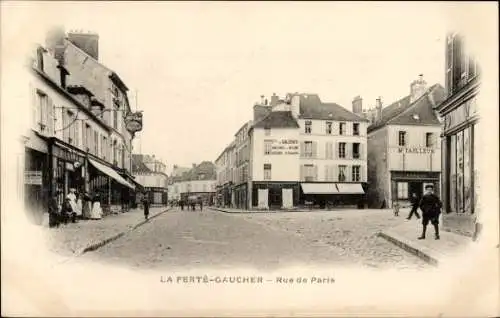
(302, 148)
(336, 150)
(335, 173)
(315, 173)
(302, 177)
(314, 149)
(52, 117)
(327, 172)
(361, 151)
(348, 150)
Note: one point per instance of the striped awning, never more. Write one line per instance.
(319, 188)
(110, 172)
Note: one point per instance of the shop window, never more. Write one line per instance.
(307, 128)
(267, 171)
(355, 129)
(453, 174)
(341, 128)
(402, 190)
(329, 127)
(402, 138)
(460, 172)
(342, 173)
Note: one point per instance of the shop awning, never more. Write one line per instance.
(319, 188)
(111, 173)
(350, 188)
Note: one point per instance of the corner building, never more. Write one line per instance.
(306, 152)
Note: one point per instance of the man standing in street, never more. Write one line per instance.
(145, 203)
(414, 206)
(431, 209)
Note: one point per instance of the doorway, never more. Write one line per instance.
(415, 187)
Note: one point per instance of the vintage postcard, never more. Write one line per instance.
(249, 158)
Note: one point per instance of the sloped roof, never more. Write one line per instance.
(260, 112)
(278, 119)
(204, 171)
(311, 107)
(138, 165)
(402, 111)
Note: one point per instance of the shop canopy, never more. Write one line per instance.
(350, 188)
(319, 188)
(111, 173)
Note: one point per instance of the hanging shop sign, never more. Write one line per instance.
(33, 177)
(283, 146)
(133, 122)
(415, 150)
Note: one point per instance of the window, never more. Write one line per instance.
(308, 127)
(308, 151)
(403, 190)
(356, 170)
(267, 131)
(429, 140)
(341, 149)
(355, 129)
(115, 156)
(103, 147)
(43, 111)
(309, 173)
(39, 54)
(329, 127)
(267, 171)
(342, 129)
(77, 125)
(402, 138)
(96, 143)
(356, 153)
(342, 173)
(87, 138)
(115, 118)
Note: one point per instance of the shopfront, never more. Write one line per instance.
(405, 183)
(460, 186)
(240, 196)
(275, 195)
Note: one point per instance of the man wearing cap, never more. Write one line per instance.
(431, 209)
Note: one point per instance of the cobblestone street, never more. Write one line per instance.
(263, 241)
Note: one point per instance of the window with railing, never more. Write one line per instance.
(329, 126)
(342, 150)
(356, 173)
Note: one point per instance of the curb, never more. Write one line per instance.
(94, 246)
(266, 211)
(421, 252)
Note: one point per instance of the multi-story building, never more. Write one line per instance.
(225, 177)
(150, 173)
(174, 193)
(303, 151)
(102, 89)
(199, 182)
(63, 143)
(241, 154)
(460, 137)
(403, 149)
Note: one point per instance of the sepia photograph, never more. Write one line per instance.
(249, 159)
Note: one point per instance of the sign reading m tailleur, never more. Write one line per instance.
(415, 150)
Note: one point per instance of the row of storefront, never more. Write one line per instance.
(63, 167)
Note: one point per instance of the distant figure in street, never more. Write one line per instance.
(145, 203)
(54, 215)
(201, 205)
(193, 205)
(431, 209)
(396, 207)
(414, 206)
(181, 203)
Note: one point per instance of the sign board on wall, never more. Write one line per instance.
(283, 146)
(33, 177)
(133, 122)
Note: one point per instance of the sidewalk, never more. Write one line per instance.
(77, 238)
(240, 211)
(430, 250)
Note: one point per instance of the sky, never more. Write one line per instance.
(199, 67)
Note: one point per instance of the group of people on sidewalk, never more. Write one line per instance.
(191, 204)
(430, 205)
(75, 206)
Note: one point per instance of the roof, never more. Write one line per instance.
(204, 171)
(311, 107)
(402, 111)
(278, 119)
(138, 164)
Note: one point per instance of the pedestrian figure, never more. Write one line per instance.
(96, 210)
(414, 206)
(181, 203)
(145, 203)
(193, 205)
(54, 215)
(396, 207)
(431, 209)
(201, 205)
(67, 211)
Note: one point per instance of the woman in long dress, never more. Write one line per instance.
(96, 212)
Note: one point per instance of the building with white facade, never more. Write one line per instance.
(198, 182)
(150, 173)
(404, 154)
(302, 151)
(225, 168)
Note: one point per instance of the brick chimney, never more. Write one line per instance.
(357, 105)
(274, 99)
(378, 109)
(88, 42)
(417, 88)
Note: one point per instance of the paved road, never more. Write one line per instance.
(187, 240)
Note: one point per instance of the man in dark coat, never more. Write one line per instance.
(54, 215)
(414, 206)
(145, 203)
(431, 209)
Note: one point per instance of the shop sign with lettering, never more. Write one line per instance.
(133, 122)
(33, 177)
(415, 150)
(283, 146)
